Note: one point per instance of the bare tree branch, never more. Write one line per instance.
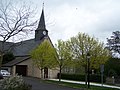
(15, 21)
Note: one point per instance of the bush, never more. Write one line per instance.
(112, 67)
(79, 77)
(14, 83)
(76, 77)
(97, 78)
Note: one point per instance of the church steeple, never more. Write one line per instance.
(41, 24)
(41, 31)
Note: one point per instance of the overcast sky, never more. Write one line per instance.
(65, 18)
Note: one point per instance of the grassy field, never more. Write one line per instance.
(80, 86)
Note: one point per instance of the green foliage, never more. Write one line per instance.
(79, 77)
(14, 83)
(8, 57)
(73, 52)
(112, 67)
(64, 56)
(44, 55)
(81, 44)
(76, 77)
(97, 78)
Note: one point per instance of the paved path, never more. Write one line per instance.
(37, 84)
(95, 84)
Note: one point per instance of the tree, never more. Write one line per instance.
(82, 44)
(8, 57)
(64, 57)
(44, 56)
(112, 67)
(113, 44)
(14, 21)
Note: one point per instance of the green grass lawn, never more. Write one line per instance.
(80, 86)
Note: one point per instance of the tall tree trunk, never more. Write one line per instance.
(60, 73)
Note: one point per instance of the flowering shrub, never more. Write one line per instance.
(14, 83)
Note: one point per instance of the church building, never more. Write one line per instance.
(22, 64)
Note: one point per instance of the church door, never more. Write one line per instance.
(45, 72)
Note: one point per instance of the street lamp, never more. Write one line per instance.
(88, 67)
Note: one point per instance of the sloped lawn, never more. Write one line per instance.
(80, 86)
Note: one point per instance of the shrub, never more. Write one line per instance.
(79, 77)
(76, 77)
(14, 83)
(112, 67)
(97, 78)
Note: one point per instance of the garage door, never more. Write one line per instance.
(21, 70)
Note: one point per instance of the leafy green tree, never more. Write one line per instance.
(81, 44)
(64, 57)
(44, 56)
(113, 43)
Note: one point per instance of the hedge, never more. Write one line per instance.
(79, 77)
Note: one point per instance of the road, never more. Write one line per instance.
(37, 84)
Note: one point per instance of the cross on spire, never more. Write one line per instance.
(43, 5)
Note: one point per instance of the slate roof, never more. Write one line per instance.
(7, 46)
(23, 48)
(16, 61)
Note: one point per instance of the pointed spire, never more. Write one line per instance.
(41, 24)
(43, 6)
